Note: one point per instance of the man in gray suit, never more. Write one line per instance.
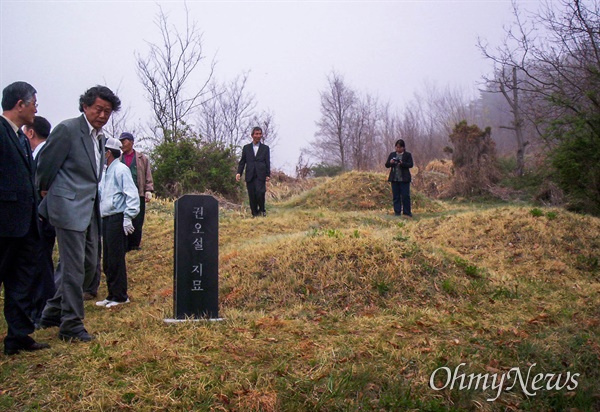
(69, 168)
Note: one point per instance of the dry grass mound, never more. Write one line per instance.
(514, 242)
(358, 191)
(327, 270)
(328, 310)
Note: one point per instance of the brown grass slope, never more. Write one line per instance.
(328, 309)
(358, 191)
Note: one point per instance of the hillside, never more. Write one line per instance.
(334, 304)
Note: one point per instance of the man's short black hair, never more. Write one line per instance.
(102, 92)
(41, 127)
(400, 143)
(116, 153)
(256, 129)
(14, 92)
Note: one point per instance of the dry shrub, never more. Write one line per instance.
(282, 187)
(435, 178)
(442, 166)
(549, 194)
(474, 160)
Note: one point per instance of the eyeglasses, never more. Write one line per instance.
(35, 104)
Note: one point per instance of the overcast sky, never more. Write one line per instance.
(389, 49)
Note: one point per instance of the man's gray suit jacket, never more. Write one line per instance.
(67, 170)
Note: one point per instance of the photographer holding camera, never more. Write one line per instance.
(400, 163)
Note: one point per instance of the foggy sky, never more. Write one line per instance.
(388, 49)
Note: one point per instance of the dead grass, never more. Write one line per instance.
(333, 308)
(358, 191)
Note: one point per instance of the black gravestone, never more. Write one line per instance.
(196, 279)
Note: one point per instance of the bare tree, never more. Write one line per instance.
(363, 133)
(429, 118)
(230, 114)
(118, 123)
(266, 121)
(556, 69)
(225, 117)
(556, 53)
(331, 139)
(167, 74)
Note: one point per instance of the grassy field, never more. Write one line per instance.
(331, 303)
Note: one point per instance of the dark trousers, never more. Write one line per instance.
(45, 288)
(92, 288)
(401, 198)
(76, 268)
(19, 275)
(113, 257)
(256, 193)
(134, 240)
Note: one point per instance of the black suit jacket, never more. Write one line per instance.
(258, 166)
(18, 200)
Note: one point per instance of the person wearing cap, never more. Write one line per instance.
(142, 176)
(119, 205)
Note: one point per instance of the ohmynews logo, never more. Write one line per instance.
(530, 384)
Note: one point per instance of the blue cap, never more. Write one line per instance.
(126, 135)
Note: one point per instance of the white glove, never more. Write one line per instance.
(128, 226)
(148, 196)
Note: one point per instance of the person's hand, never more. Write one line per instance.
(148, 196)
(43, 193)
(237, 177)
(128, 226)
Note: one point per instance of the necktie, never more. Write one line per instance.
(23, 141)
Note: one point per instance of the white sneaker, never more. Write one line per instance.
(111, 304)
(103, 302)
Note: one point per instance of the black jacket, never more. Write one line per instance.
(258, 166)
(407, 163)
(18, 198)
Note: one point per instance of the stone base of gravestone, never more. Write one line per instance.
(196, 259)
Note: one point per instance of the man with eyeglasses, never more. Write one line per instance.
(19, 233)
(69, 169)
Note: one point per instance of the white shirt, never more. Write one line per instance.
(255, 147)
(37, 149)
(94, 135)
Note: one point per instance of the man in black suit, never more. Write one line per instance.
(37, 133)
(256, 158)
(19, 234)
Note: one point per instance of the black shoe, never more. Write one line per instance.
(33, 347)
(46, 323)
(89, 296)
(81, 336)
(264, 214)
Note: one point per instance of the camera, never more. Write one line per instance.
(398, 159)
